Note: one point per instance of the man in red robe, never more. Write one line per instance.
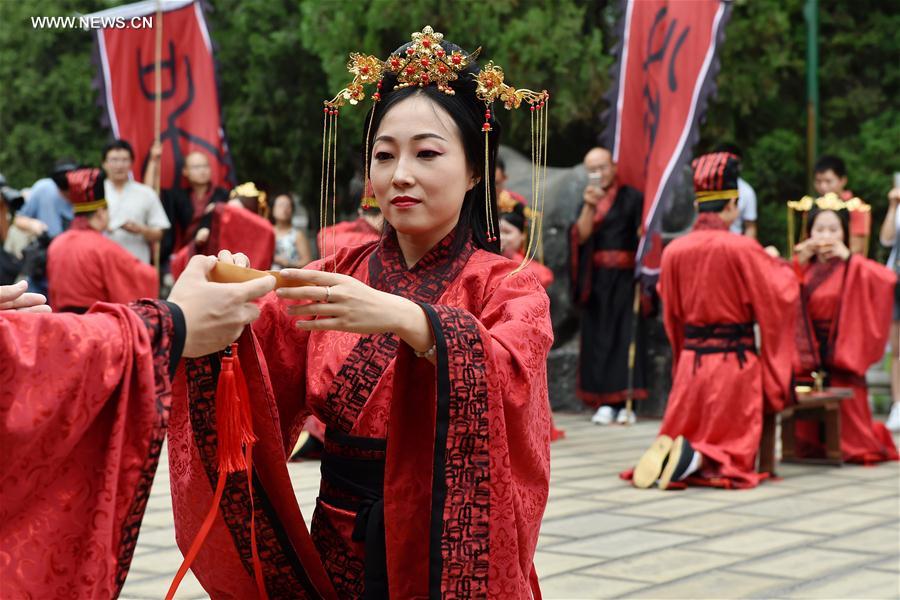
(83, 265)
(240, 225)
(715, 287)
(84, 404)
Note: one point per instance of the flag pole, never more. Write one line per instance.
(157, 113)
(632, 351)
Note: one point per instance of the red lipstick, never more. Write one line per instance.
(405, 201)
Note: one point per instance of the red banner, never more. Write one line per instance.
(191, 116)
(665, 74)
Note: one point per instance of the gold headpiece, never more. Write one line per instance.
(829, 201)
(426, 62)
(248, 190)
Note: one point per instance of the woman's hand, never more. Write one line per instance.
(834, 249)
(805, 251)
(341, 303)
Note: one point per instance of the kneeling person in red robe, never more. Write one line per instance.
(714, 288)
(83, 265)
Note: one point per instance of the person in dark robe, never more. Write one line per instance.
(184, 206)
(84, 403)
(239, 225)
(715, 289)
(845, 317)
(83, 265)
(604, 240)
(425, 356)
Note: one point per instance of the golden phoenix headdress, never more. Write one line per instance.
(426, 62)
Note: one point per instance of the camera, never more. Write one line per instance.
(11, 196)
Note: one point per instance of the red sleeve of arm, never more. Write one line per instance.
(128, 278)
(774, 292)
(865, 318)
(84, 402)
(671, 304)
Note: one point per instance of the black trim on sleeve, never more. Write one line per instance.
(438, 473)
(179, 334)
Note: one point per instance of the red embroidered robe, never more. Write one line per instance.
(84, 266)
(84, 401)
(236, 229)
(346, 234)
(709, 279)
(845, 328)
(465, 442)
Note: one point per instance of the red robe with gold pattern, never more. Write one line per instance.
(464, 443)
(714, 286)
(845, 328)
(84, 401)
(84, 266)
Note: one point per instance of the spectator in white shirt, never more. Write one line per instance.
(746, 219)
(136, 216)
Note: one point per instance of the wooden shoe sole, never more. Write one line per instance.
(647, 470)
(674, 458)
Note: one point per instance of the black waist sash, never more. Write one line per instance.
(720, 338)
(353, 480)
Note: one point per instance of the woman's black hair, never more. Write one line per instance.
(515, 217)
(843, 216)
(467, 111)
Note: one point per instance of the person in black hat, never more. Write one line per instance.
(715, 289)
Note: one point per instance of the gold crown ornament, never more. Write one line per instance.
(426, 62)
(829, 201)
(248, 190)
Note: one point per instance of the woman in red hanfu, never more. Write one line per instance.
(423, 353)
(844, 324)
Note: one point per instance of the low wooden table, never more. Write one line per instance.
(823, 407)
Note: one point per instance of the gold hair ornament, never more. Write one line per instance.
(425, 62)
(829, 201)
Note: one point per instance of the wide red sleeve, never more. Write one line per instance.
(83, 406)
(273, 360)
(865, 315)
(774, 292)
(671, 305)
(467, 472)
(127, 278)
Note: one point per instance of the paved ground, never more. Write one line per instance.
(821, 532)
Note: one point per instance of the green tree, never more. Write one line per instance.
(48, 108)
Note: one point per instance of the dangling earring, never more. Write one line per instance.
(490, 232)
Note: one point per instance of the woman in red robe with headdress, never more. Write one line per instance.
(844, 324)
(425, 357)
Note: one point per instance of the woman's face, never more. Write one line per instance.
(827, 228)
(510, 239)
(419, 170)
(282, 209)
